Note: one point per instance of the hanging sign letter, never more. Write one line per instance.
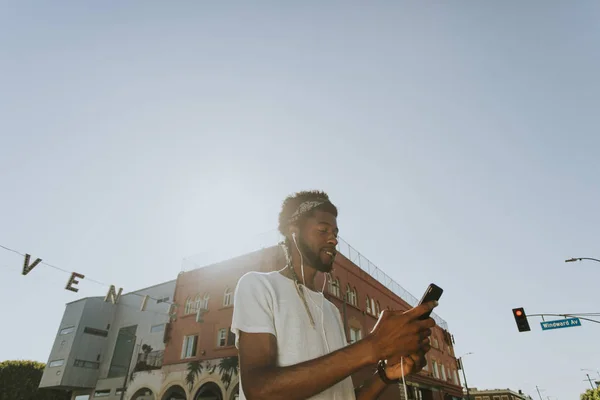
(72, 281)
(144, 302)
(26, 267)
(114, 297)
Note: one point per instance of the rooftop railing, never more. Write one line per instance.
(366, 265)
(237, 248)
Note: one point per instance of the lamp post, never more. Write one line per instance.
(590, 381)
(582, 258)
(592, 370)
(462, 366)
(540, 391)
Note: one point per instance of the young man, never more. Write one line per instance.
(291, 340)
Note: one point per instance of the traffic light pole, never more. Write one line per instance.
(569, 315)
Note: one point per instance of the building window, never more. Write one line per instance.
(504, 397)
(189, 346)
(82, 397)
(436, 373)
(369, 305)
(377, 308)
(351, 295)
(334, 287)
(373, 306)
(157, 328)
(86, 364)
(434, 343)
(122, 352)
(455, 378)
(225, 338)
(102, 393)
(94, 331)
(222, 337)
(205, 301)
(189, 306)
(228, 298)
(355, 335)
(198, 303)
(56, 363)
(67, 330)
(443, 372)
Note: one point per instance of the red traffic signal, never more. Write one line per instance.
(521, 319)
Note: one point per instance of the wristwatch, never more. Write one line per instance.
(381, 371)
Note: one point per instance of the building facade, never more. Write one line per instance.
(180, 346)
(105, 346)
(497, 394)
(199, 338)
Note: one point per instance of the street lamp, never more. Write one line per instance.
(462, 366)
(539, 391)
(592, 370)
(590, 379)
(581, 258)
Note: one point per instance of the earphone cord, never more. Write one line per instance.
(297, 283)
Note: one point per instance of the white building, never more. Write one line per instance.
(107, 345)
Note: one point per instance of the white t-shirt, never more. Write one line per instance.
(269, 303)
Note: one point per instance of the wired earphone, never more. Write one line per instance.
(322, 308)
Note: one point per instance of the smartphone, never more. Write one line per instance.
(433, 292)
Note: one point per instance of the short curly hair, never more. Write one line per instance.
(292, 202)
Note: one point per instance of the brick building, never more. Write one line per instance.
(200, 360)
(497, 394)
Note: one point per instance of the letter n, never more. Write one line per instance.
(114, 297)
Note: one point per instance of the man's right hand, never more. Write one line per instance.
(399, 334)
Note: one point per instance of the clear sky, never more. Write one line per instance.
(458, 139)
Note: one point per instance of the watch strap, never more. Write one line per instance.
(381, 371)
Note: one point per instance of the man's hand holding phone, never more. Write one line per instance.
(401, 334)
(406, 336)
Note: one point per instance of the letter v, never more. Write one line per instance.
(26, 267)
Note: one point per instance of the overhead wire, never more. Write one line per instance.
(86, 277)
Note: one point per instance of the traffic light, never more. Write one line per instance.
(521, 319)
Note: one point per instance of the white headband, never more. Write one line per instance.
(306, 207)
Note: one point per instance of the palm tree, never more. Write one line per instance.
(228, 366)
(194, 369)
(210, 368)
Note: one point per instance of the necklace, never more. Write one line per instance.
(301, 292)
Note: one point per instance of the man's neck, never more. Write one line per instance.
(309, 272)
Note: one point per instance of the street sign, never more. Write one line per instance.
(560, 323)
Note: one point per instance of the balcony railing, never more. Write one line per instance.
(149, 361)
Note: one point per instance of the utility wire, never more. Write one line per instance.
(86, 278)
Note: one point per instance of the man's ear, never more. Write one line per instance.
(294, 231)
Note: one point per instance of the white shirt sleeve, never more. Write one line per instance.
(253, 306)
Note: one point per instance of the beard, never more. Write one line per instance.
(314, 259)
